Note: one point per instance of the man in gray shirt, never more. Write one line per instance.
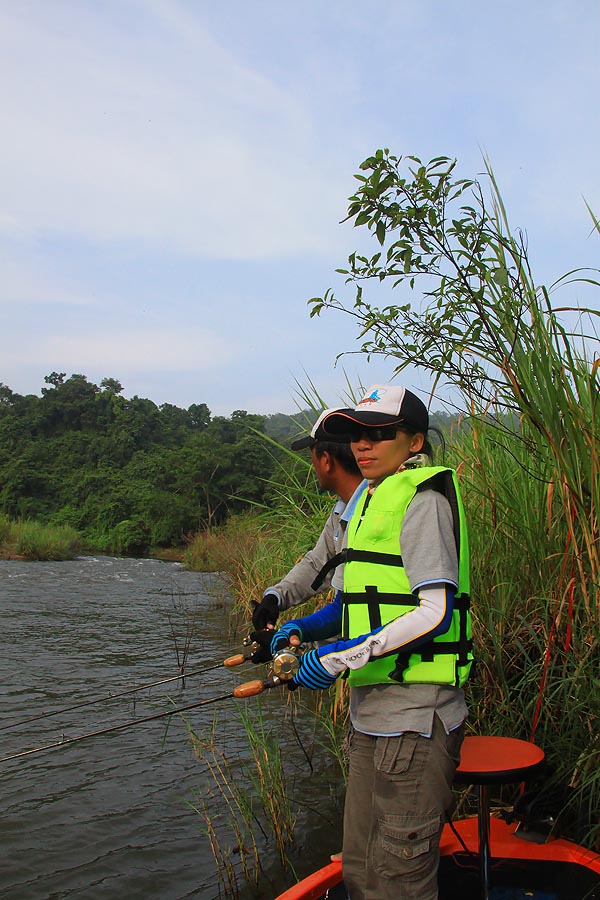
(337, 473)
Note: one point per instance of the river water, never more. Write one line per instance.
(112, 816)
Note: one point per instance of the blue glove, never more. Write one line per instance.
(282, 637)
(312, 674)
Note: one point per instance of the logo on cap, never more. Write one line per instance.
(373, 397)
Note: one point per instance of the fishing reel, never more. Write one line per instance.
(283, 665)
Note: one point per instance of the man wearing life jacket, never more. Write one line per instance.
(337, 473)
(406, 647)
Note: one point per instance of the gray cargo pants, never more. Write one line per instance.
(398, 795)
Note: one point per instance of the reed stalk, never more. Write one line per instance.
(237, 818)
(267, 776)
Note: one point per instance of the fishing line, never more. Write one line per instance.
(236, 660)
(248, 689)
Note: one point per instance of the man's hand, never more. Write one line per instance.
(263, 652)
(266, 612)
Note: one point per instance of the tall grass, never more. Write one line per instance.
(254, 796)
(236, 819)
(26, 539)
(267, 776)
(537, 637)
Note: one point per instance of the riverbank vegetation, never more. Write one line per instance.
(526, 371)
(130, 477)
(24, 539)
(127, 474)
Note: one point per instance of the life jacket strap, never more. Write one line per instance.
(460, 648)
(383, 597)
(465, 645)
(352, 555)
(433, 648)
(373, 598)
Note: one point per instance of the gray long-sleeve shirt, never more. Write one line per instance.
(295, 587)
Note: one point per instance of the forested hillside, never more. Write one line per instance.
(126, 473)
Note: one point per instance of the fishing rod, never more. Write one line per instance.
(282, 669)
(231, 661)
(242, 691)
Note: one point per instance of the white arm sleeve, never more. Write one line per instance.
(415, 625)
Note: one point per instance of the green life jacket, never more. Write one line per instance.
(376, 587)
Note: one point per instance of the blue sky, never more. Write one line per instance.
(175, 172)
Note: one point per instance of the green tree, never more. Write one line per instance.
(199, 415)
(90, 458)
(112, 385)
(55, 379)
(68, 405)
(477, 327)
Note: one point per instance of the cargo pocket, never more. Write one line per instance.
(394, 755)
(408, 848)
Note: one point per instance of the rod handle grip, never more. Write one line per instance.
(249, 689)
(236, 660)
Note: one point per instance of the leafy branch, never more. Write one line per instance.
(482, 318)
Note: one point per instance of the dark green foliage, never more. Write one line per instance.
(127, 474)
(130, 537)
(285, 429)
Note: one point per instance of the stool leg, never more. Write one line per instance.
(483, 826)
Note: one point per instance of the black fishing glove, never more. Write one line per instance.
(266, 612)
(263, 653)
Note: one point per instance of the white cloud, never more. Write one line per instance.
(30, 283)
(126, 351)
(115, 136)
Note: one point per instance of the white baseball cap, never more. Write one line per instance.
(383, 404)
(317, 433)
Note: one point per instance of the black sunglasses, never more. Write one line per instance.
(375, 434)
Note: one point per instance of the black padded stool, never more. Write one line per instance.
(493, 760)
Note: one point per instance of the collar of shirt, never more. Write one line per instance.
(346, 515)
